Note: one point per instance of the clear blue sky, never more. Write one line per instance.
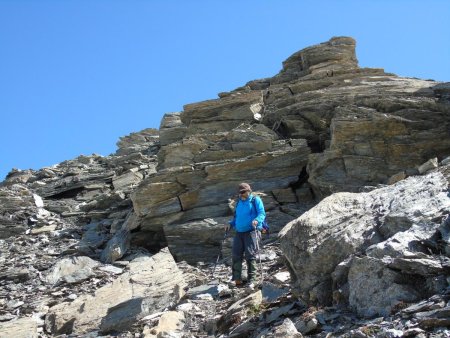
(77, 75)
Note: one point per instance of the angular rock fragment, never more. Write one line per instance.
(71, 270)
(156, 279)
(116, 247)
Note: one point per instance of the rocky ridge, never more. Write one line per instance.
(82, 248)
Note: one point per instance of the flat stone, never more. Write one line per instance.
(212, 289)
(14, 304)
(41, 230)
(127, 181)
(111, 269)
(71, 270)
(19, 328)
(282, 276)
(7, 317)
(275, 314)
(271, 292)
(170, 322)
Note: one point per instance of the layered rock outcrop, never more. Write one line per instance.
(323, 129)
(320, 126)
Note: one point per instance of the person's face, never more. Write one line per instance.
(244, 195)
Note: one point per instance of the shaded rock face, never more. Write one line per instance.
(368, 145)
(373, 250)
(199, 175)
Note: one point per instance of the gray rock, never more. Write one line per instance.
(116, 247)
(376, 289)
(19, 328)
(419, 307)
(275, 314)
(446, 161)
(429, 165)
(357, 156)
(15, 274)
(184, 239)
(243, 329)
(307, 325)
(286, 329)
(145, 141)
(226, 321)
(434, 318)
(170, 325)
(397, 177)
(414, 332)
(403, 243)
(154, 278)
(71, 270)
(271, 292)
(213, 289)
(122, 316)
(417, 266)
(126, 182)
(345, 223)
(444, 230)
(92, 238)
(171, 129)
(111, 269)
(14, 304)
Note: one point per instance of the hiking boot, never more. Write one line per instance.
(238, 283)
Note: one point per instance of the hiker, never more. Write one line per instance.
(248, 218)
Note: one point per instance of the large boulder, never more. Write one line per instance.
(390, 225)
(153, 278)
(375, 288)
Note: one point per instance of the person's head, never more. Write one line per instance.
(244, 191)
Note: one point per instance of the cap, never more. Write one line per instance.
(243, 187)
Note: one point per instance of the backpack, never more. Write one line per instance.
(265, 225)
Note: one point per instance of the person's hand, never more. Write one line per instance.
(254, 223)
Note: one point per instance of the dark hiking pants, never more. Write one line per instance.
(244, 244)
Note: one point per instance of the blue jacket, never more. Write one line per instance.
(246, 212)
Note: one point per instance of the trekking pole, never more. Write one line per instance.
(220, 251)
(259, 255)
